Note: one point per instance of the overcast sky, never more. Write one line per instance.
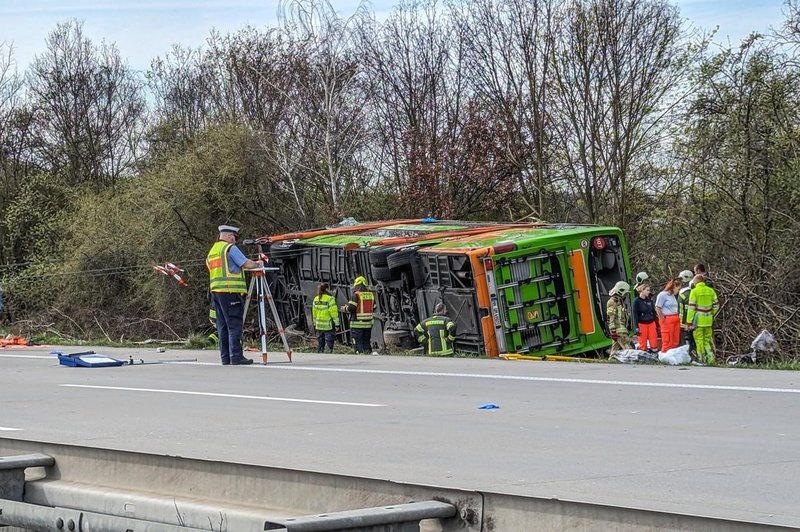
(144, 29)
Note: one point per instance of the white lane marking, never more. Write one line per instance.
(9, 428)
(527, 378)
(228, 395)
(495, 377)
(49, 357)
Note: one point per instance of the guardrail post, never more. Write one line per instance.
(12, 473)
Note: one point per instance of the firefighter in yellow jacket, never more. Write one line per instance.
(437, 333)
(617, 318)
(360, 309)
(703, 307)
(326, 317)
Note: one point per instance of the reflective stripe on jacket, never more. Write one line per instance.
(616, 315)
(703, 306)
(683, 303)
(325, 312)
(363, 305)
(437, 333)
(220, 277)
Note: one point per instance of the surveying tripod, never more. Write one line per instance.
(259, 282)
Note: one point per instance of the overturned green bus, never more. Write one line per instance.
(524, 288)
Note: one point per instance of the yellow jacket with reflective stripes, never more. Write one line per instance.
(325, 312)
(437, 334)
(616, 315)
(703, 306)
(221, 280)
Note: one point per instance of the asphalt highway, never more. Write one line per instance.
(721, 442)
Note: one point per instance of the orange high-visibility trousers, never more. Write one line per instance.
(648, 333)
(670, 331)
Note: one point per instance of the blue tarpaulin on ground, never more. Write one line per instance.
(86, 359)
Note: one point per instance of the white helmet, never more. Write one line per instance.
(641, 277)
(621, 288)
(685, 276)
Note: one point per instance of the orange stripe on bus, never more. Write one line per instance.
(583, 299)
(484, 302)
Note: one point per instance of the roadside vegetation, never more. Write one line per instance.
(587, 111)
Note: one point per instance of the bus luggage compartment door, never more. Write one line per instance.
(535, 301)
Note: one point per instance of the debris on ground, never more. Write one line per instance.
(763, 345)
(676, 356)
(15, 341)
(629, 356)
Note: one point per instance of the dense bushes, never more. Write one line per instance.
(500, 110)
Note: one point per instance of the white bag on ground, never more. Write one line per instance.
(676, 356)
(764, 342)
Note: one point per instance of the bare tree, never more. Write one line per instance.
(326, 102)
(88, 107)
(616, 65)
(415, 66)
(16, 144)
(508, 45)
(10, 107)
(180, 96)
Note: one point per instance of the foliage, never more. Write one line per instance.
(599, 111)
(741, 154)
(87, 108)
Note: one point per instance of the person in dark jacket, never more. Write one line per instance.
(437, 333)
(360, 309)
(644, 319)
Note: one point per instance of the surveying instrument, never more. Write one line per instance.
(259, 285)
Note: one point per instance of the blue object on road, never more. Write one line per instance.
(86, 359)
(488, 406)
(429, 220)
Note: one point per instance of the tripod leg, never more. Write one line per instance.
(247, 300)
(278, 324)
(262, 317)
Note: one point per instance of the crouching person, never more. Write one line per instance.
(617, 318)
(437, 333)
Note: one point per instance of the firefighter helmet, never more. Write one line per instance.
(621, 288)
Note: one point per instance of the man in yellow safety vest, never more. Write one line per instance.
(226, 263)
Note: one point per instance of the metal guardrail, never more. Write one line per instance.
(43, 518)
(87, 489)
(402, 518)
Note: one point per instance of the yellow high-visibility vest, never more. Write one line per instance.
(221, 279)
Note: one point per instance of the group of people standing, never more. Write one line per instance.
(359, 311)
(437, 334)
(684, 310)
(226, 266)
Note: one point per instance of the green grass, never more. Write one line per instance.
(53, 339)
(791, 365)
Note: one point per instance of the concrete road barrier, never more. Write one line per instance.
(102, 489)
